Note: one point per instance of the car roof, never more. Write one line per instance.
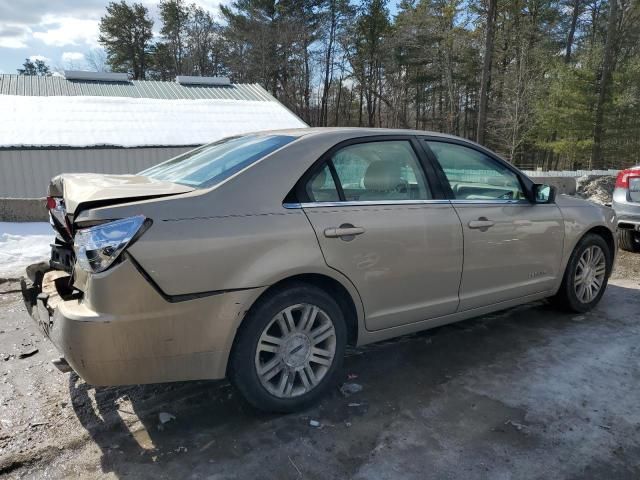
(356, 131)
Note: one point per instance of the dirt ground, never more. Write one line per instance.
(525, 393)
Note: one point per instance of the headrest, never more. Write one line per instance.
(498, 181)
(383, 175)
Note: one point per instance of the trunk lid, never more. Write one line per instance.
(104, 189)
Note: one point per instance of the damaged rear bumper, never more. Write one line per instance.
(41, 296)
(120, 331)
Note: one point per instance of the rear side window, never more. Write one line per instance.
(372, 171)
(379, 171)
(473, 175)
(211, 164)
(321, 188)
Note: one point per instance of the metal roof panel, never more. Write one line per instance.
(11, 84)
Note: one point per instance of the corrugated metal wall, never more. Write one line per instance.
(26, 173)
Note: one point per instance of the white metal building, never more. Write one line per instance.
(106, 123)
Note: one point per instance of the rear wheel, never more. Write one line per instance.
(586, 276)
(289, 349)
(629, 240)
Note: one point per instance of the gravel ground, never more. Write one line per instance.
(526, 393)
(627, 266)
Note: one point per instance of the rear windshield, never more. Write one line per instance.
(213, 163)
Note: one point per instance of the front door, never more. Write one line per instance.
(512, 247)
(377, 223)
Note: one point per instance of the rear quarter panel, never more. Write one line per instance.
(237, 235)
(226, 252)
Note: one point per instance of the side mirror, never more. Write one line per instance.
(543, 193)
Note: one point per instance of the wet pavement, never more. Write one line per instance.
(526, 393)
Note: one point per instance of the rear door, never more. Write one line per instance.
(378, 222)
(512, 247)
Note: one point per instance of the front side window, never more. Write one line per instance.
(379, 171)
(473, 175)
(211, 164)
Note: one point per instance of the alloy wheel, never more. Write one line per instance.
(295, 350)
(590, 274)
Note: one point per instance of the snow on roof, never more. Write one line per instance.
(133, 122)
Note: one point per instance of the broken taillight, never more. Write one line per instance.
(59, 220)
(98, 247)
(51, 203)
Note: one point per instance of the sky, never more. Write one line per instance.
(63, 32)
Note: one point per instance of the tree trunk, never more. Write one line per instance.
(307, 81)
(486, 71)
(604, 85)
(361, 92)
(337, 122)
(577, 4)
(328, 68)
(465, 132)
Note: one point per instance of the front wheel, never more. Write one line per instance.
(586, 276)
(289, 349)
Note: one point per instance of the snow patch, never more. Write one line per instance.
(596, 188)
(22, 244)
(133, 122)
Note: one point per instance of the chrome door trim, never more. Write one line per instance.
(491, 202)
(364, 203)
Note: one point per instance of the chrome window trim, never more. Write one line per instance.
(491, 202)
(356, 203)
(363, 203)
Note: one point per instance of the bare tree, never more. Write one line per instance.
(96, 59)
(486, 71)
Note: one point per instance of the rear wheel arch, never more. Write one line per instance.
(334, 288)
(330, 285)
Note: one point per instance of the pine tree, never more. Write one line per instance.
(546, 83)
(174, 15)
(125, 34)
(35, 68)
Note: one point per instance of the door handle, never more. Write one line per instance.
(346, 232)
(482, 224)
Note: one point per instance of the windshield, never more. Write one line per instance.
(213, 163)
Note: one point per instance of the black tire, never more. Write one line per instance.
(243, 372)
(566, 298)
(629, 240)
